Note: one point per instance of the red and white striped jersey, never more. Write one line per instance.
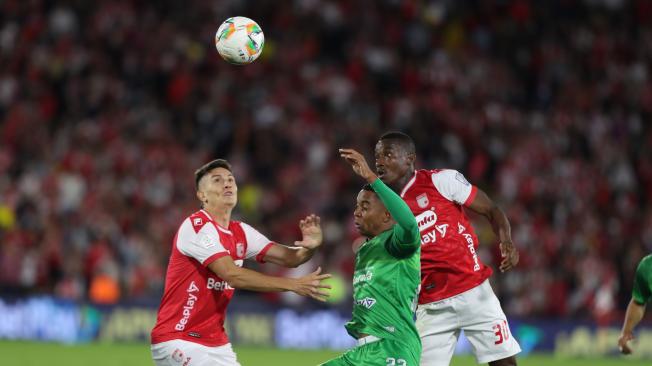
(195, 298)
(449, 261)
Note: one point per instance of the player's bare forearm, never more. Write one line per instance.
(296, 257)
(500, 224)
(633, 316)
(237, 277)
(287, 256)
(243, 278)
(303, 250)
(483, 205)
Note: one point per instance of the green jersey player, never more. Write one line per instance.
(641, 294)
(387, 276)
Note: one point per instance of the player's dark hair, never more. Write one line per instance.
(217, 163)
(403, 139)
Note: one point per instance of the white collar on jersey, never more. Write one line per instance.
(409, 184)
(220, 228)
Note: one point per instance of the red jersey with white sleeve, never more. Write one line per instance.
(449, 261)
(195, 298)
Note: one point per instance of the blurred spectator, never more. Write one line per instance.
(105, 106)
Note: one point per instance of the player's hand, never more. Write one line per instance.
(311, 285)
(311, 232)
(359, 164)
(509, 254)
(623, 342)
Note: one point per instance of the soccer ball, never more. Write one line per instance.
(239, 40)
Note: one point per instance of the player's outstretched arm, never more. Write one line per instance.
(633, 316)
(407, 232)
(483, 205)
(303, 250)
(310, 285)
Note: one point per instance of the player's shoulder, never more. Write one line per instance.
(448, 176)
(646, 262)
(432, 174)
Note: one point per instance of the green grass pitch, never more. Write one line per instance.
(98, 354)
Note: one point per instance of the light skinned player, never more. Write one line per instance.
(206, 266)
(455, 291)
(386, 277)
(641, 294)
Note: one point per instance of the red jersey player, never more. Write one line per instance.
(206, 265)
(455, 291)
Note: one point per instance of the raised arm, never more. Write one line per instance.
(483, 205)
(406, 231)
(238, 277)
(303, 250)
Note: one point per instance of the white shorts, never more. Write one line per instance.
(178, 352)
(477, 312)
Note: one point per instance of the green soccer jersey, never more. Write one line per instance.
(643, 281)
(387, 276)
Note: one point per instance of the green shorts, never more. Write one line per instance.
(384, 352)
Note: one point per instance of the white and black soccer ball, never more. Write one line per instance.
(239, 40)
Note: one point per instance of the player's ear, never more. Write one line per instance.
(411, 157)
(200, 195)
(388, 216)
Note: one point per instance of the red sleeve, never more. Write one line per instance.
(469, 200)
(214, 257)
(260, 257)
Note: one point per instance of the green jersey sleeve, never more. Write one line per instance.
(642, 287)
(405, 240)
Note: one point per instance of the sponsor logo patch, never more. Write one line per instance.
(426, 219)
(239, 250)
(367, 302)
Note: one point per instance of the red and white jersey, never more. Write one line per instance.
(195, 298)
(449, 261)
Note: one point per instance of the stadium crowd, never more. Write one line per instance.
(107, 107)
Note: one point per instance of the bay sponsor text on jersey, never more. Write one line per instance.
(190, 304)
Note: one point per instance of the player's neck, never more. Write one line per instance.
(221, 215)
(400, 183)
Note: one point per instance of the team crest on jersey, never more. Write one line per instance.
(177, 355)
(422, 200)
(239, 250)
